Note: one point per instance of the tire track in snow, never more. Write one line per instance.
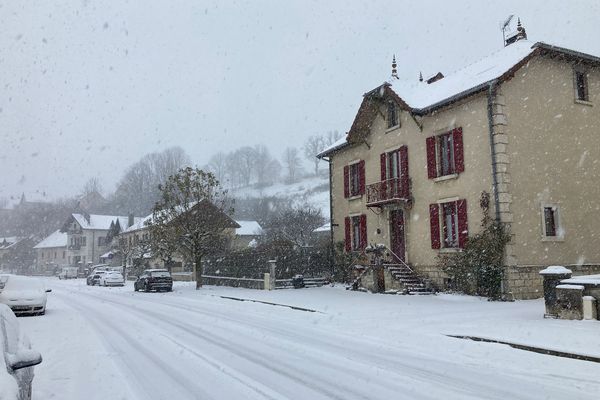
(410, 369)
(107, 326)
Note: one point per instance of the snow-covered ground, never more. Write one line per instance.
(112, 343)
(313, 190)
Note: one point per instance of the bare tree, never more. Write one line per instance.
(313, 145)
(92, 185)
(292, 163)
(331, 137)
(246, 157)
(218, 166)
(262, 164)
(138, 190)
(295, 224)
(193, 213)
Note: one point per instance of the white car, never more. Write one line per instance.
(111, 278)
(24, 295)
(16, 358)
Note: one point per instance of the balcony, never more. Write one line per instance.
(395, 190)
(74, 247)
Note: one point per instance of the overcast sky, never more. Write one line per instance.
(88, 87)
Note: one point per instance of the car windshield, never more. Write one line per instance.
(160, 274)
(302, 199)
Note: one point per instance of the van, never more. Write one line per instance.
(68, 273)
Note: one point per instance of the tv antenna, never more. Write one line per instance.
(504, 26)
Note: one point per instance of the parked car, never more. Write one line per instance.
(16, 358)
(94, 278)
(68, 273)
(23, 294)
(111, 278)
(154, 279)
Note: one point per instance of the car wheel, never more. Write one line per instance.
(170, 289)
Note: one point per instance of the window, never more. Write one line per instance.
(448, 221)
(581, 86)
(354, 179)
(551, 227)
(356, 233)
(83, 241)
(445, 155)
(449, 225)
(392, 115)
(101, 241)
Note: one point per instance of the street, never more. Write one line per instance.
(113, 343)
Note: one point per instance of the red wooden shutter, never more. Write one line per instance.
(346, 181)
(383, 164)
(463, 226)
(361, 177)
(431, 164)
(363, 231)
(348, 239)
(404, 182)
(434, 224)
(459, 158)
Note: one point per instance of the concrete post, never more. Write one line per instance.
(589, 308)
(552, 277)
(267, 281)
(272, 270)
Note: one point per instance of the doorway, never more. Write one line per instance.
(397, 235)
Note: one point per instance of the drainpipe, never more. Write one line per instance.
(490, 108)
(331, 248)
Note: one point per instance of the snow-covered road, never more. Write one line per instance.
(112, 343)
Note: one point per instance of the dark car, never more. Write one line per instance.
(154, 279)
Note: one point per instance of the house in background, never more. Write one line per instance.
(132, 245)
(16, 254)
(86, 236)
(51, 253)
(247, 235)
(521, 124)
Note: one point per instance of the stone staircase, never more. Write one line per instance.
(409, 279)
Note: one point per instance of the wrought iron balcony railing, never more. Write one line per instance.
(388, 191)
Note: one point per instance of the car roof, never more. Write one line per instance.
(156, 270)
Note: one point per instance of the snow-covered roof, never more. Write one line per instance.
(337, 145)
(422, 95)
(139, 224)
(55, 239)
(102, 222)
(555, 270)
(248, 228)
(583, 280)
(8, 240)
(324, 228)
(421, 98)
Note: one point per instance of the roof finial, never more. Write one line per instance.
(521, 34)
(420, 76)
(394, 70)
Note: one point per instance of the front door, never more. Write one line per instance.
(397, 234)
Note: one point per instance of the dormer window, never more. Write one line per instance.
(392, 115)
(581, 85)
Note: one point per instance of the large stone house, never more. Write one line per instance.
(522, 124)
(51, 253)
(86, 236)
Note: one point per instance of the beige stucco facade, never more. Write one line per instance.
(547, 152)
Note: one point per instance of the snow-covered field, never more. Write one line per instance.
(112, 343)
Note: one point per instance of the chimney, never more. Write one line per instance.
(420, 76)
(435, 78)
(130, 220)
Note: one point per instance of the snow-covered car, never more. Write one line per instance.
(94, 278)
(111, 278)
(23, 294)
(154, 279)
(16, 358)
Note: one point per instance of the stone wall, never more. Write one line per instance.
(434, 274)
(525, 282)
(233, 282)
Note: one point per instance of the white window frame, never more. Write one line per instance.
(558, 226)
(350, 192)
